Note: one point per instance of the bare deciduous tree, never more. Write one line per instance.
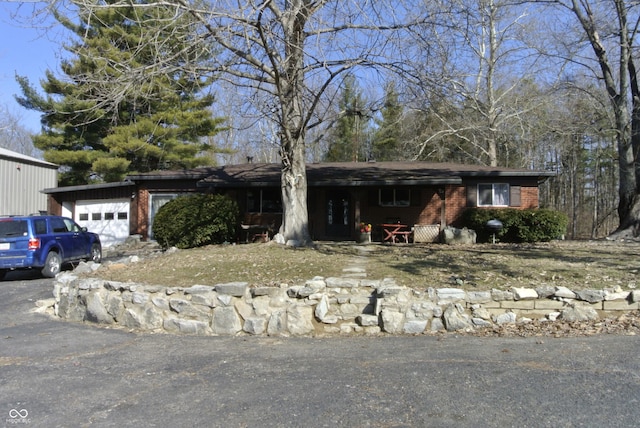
(13, 136)
(578, 142)
(282, 55)
(609, 30)
(483, 100)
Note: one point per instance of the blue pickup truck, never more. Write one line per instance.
(45, 243)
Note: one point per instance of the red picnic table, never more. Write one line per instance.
(394, 230)
(255, 232)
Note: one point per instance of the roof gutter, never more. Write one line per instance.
(337, 182)
(88, 187)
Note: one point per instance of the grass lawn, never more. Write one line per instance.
(573, 264)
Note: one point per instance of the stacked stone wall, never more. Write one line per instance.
(322, 306)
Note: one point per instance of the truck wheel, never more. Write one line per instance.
(3, 272)
(96, 254)
(52, 265)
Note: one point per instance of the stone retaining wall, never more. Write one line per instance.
(321, 306)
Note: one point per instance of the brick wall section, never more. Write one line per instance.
(53, 206)
(529, 197)
(142, 228)
(456, 204)
(433, 206)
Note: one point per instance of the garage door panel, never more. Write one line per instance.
(107, 218)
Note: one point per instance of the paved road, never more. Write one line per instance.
(59, 374)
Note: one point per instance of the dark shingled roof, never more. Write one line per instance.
(361, 174)
(324, 174)
(181, 174)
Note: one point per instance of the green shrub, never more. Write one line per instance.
(196, 220)
(534, 225)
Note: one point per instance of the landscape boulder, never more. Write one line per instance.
(580, 312)
(455, 236)
(455, 319)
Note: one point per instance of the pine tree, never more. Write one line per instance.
(386, 140)
(348, 136)
(154, 125)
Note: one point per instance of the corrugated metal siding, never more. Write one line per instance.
(21, 185)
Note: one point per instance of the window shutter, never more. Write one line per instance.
(472, 195)
(514, 196)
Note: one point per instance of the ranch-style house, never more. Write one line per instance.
(341, 197)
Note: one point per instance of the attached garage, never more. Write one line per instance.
(104, 208)
(107, 218)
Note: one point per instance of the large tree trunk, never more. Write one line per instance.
(295, 216)
(626, 164)
(629, 227)
(628, 189)
(629, 207)
(628, 127)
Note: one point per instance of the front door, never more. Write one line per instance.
(338, 215)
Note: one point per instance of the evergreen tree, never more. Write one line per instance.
(427, 136)
(387, 139)
(156, 124)
(347, 139)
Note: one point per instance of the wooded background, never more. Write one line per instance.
(546, 85)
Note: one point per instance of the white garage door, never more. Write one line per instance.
(107, 218)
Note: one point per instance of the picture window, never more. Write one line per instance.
(493, 195)
(394, 197)
(264, 201)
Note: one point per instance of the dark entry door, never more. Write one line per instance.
(338, 215)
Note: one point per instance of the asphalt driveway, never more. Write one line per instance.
(61, 374)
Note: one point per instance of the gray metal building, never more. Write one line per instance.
(22, 179)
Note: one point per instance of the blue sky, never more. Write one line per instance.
(27, 50)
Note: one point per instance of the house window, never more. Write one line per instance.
(264, 201)
(394, 197)
(493, 195)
